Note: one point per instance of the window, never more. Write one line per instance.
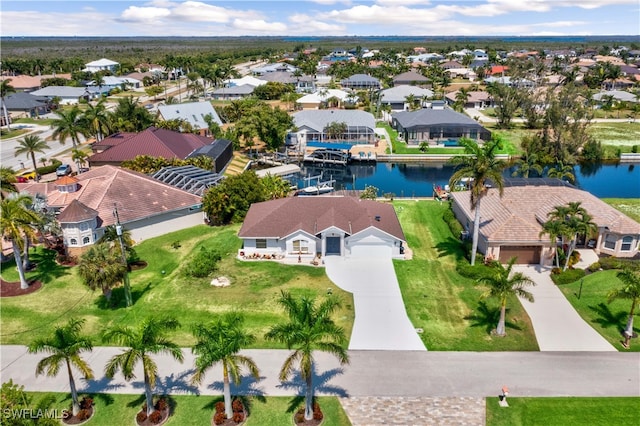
(301, 246)
(626, 243)
(73, 242)
(84, 226)
(86, 240)
(261, 243)
(610, 242)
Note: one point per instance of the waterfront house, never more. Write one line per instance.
(313, 128)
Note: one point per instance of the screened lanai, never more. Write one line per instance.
(188, 178)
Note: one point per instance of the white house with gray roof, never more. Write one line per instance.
(103, 64)
(69, 94)
(311, 126)
(194, 113)
(396, 97)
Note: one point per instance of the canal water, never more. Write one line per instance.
(417, 179)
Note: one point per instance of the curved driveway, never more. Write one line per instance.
(381, 321)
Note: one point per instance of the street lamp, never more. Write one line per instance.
(127, 287)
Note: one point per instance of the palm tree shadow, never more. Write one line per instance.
(248, 386)
(46, 268)
(117, 297)
(450, 246)
(101, 386)
(608, 319)
(173, 384)
(487, 317)
(320, 385)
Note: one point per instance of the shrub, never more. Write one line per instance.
(568, 276)
(161, 404)
(451, 221)
(617, 263)
(238, 417)
(475, 272)
(299, 417)
(141, 416)
(595, 266)
(317, 413)
(220, 407)
(86, 403)
(555, 271)
(155, 417)
(634, 149)
(55, 163)
(236, 405)
(219, 418)
(83, 415)
(202, 264)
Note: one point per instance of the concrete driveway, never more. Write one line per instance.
(557, 325)
(381, 321)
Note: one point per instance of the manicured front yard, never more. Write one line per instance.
(161, 289)
(607, 319)
(563, 411)
(187, 410)
(446, 305)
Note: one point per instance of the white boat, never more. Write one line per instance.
(321, 188)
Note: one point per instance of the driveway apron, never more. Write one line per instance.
(381, 321)
(557, 325)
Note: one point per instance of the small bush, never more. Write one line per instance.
(55, 163)
(617, 263)
(634, 149)
(86, 403)
(141, 416)
(219, 418)
(203, 263)
(479, 270)
(556, 271)
(162, 404)
(175, 245)
(317, 413)
(83, 415)
(238, 417)
(299, 417)
(237, 406)
(155, 417)
(595, 266)
(568, 276)
(451, 221)
(220, 407)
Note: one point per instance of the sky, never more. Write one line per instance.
(320, 18)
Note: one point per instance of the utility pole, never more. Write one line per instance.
(127, 286)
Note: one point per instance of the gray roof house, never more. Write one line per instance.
(396, 97)
(311, 128)
(233, 92)
(360, 81)
(411, 78)
(23, 104)
(437, 126)
(70, 94)
(192, 112)
(220, 151)
(618, 95)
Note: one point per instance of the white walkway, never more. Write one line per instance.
(557, 325)
(381, 321)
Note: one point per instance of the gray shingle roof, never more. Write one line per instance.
(24, 101)
(399, 93)
(319, 119)
(430, 117)
(192, 112)
(60, 91)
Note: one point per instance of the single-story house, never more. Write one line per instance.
(510, 225)
(312, 126)
(101, 65)
(113, 82)
(86, 202)
(360, 82)
(322, 226)
(275, 67)
(23, 104)
(396, 97)
(436, 125)
(411, 78)
(233, 92)
(321, 97)
(301, 84)
(192, 112)
(123, 146)
(69, 94)
(616, 95)
(478, 99)
(24, 83)
(220, 151)
(511, 82)
(467, 73)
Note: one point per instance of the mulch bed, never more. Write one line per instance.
(165, 416)
(13, 289)
(76, 421)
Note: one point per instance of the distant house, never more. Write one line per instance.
(24, 83)
(437, 126)
(276, 67)
(194, 113)
(360, 82)
(22, 104)
(71, 95)
(101, 65)
(396, 97)
(451, 64)
(321, 97)
(86, 202)
(617, 96)
(509, 81)
(301, 83)
(411, 78)
(233, 92)
(220, 151)
(511, 224)
(154, 142)
(478, 99)
(322, 226)
(312, 128)
(123, 83)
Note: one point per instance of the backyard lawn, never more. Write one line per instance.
(628, 206)
(196, 410)
(162, 289)
(563, 411)
(446, 305)
(607, 319)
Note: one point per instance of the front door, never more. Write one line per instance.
(332, 246)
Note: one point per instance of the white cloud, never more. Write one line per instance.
(259, 26)
(144, 14)
(382, 16)
(402, 2)
(305, 24)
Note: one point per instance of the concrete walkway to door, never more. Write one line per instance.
(381, 321)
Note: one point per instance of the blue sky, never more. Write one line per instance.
(319, 17)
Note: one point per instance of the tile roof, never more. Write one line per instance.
(66, 180)
(282, 217)
(152, 141)
(518, 215)
(76, 212)
(136, 195)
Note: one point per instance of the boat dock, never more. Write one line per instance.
(283, 170)
(328, 156)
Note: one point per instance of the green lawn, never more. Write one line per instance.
(628, 206)
(564, 411)
(446, 305)
(161, 289)
(607, 319)
(187, 410)
(621, 134)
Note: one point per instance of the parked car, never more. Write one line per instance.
(63, 170)
(23, 177)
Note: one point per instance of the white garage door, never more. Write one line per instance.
(372, 250)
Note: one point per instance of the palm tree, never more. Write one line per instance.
(574, 221)
(16, 220)
(65, 345)
(630, 290)
(5, 89)
(562, 172)
(310, 328)
(554, 229)
(7, 181)
(80, 158)
(29, 145)
(220, 341)
(502, 283)
(146, 339)
(69, 124)
(97, 118)
(101, 267)
(480, 167)
(526, 164)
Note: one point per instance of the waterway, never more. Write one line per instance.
(417, 179)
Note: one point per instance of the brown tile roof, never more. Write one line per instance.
(518, 215)
(153, 142)
(76, 212)
(66, 180)
(279, 218)
(136, 195)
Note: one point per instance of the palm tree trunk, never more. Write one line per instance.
(570, 250)
(500, 329)
(26, 263)
(226, 391)
(148, 394)
(16, 254)
(6, 115)
(308, 409)
(74, 392)
(35, 166)
(106, 291)
(628, 331)
(476, 232)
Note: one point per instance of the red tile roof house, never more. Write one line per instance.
(511, 225)
(86, 202)
(312, 227)
(154, 142)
